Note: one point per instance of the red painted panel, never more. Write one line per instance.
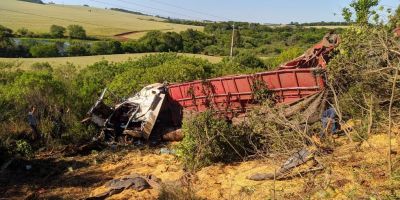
(293, 81)
(235, 92)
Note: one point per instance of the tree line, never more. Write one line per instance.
(214, 40)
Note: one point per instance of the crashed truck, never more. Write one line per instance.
(159, 108)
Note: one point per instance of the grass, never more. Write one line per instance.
(82, 61)
(97, 22)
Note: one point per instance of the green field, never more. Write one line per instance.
(83, 61)
(97, 22)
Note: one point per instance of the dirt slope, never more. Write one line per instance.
(353, 171)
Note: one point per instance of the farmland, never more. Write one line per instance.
(83, 61)
(97, 22)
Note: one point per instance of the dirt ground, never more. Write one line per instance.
(352, 171)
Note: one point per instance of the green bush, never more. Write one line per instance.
(196, 41)
(132, 46)
(105, 47)
(23, 148)
(5, 32)
(76, 31)
(249, 60)
(77, 48)
(23, 31)
(42, 66)
(57, 31)
(44, 50)
(209, 140)
(156, 41)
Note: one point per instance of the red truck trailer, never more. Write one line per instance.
(163, 104)
(294, 80)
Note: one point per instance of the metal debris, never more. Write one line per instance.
(134, 181)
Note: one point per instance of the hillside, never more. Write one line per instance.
(97, 22)
(83, 61)
(356, 171)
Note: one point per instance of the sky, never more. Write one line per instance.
(261, 11)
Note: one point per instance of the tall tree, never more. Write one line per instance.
(76, 31)
(57, 31)
(363, 10)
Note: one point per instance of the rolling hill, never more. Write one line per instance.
(83, 61)
(97, 22)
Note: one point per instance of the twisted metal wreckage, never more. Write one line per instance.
(158, 108)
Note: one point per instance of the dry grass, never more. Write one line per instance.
(97, 22)
(83, 61)
(352, 172)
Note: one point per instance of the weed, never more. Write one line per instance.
(24, 148)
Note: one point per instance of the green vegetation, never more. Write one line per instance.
(128, 11)
(215, 41)
(209, 139)
(250, 39)
(260, 39)
(57, 31)
(76, 32)
(102, 23)
(83, 61)
(363, 10)
(44, 50)
(52, 90)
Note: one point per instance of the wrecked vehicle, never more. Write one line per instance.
(135, 117)
(158, 108)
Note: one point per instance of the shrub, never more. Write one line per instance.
(44, 50)
(209, 140)
(5, 32)
(105, 47)
(23, 148)
(57, 31)
(195, 41)
(152, 41)
(173, 42)
(76, 31)
(77, 48)
(132, 46)
(249, 60)
(362, 73)
(42, 66)
(215, 50)
(89, 83)
(23, 31)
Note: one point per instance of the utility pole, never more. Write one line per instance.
(233, 35)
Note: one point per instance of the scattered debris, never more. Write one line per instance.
(133, 181)
(167, 151)
(297, 159)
